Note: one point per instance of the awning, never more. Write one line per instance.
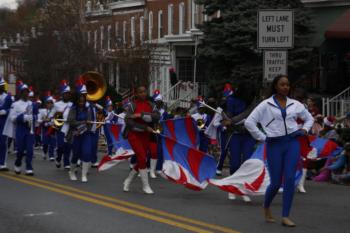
(340, 29)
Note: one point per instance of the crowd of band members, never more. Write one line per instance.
(246, 121)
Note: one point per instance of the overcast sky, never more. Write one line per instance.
(8, 3)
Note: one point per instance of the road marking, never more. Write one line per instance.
(40, 214)
(110, 205)
(137, 206)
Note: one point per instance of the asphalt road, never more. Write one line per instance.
(49, 203)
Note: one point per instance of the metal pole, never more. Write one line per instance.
(195, 60)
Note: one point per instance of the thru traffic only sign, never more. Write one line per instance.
(275, 63)
(275, 29)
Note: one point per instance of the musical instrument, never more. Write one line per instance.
(95, 85)
(200, 124)
(57, 120)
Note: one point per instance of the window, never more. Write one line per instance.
(142, 31)
(124, 32)
(132, 30)
(182, 18)
(195, 11)
(150, 25)
(95, 39)
(170, 19)
(102, 36)
(160, 24)
(88, 37)
(109, 28)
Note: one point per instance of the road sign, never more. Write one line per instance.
(275, 63)
(275, 29)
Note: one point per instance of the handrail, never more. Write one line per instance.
(347, 90)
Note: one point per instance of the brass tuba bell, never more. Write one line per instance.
(95, 84)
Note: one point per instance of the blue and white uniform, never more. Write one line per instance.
(282, 146)
(20, 125)
(5, 106)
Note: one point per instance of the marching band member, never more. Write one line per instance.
(240, 142)
(32, 98)
(202, 118)
(95, 108)
(277, 116)
(228, 91)
(21, 120)
(5, 106)
(80, 134)
(140, 116)
(47, 132)
(157, 164)
(61, 108)
(111, 118)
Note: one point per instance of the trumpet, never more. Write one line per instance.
(58, 122)
(200, 124)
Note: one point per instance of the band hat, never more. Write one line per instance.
(80, 86)
(228, 90)
(2, 81)
(157, 96)
(64, 87)
(21, 86)
(108, 101)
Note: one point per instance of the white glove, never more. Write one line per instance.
(28, 118)
(2, 112)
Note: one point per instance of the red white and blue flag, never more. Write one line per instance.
(251, 178)
(186, 165)
(121, 148)
(183, 130)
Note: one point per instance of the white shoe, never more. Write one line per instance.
(84, 171)
(67, 167)
(17, 170)
(72, 175)
(246, 198)
(29, 173)
(128, 180)
(145, 184)
(280, 190)
(218, 172)
(231, 196)
(152, 172)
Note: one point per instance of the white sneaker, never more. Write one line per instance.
(84, 171)
(218, 172)
(29, 173)
(246, 198)
(231, 196)
(17, 170)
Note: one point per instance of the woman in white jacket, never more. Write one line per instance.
(277, 115)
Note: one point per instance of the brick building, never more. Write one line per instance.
(150, 36)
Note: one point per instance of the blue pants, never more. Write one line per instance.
(24, 143)
(49, 142)
(223, 153)
(241, 149)
(204, 142)
(82, 148)
(108, 139)
(94, 138)
(3, 147)
(63, 149)
(283, 154)
(160, 158)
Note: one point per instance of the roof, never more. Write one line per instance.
(340, 29)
